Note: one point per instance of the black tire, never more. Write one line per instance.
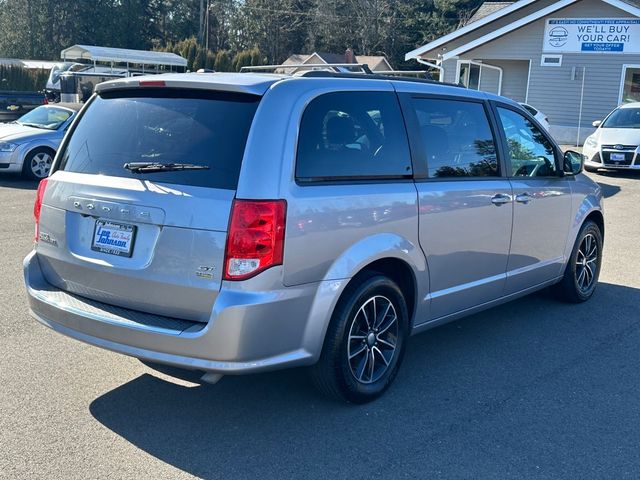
(335, 374)
(42, 158)
(583, 269)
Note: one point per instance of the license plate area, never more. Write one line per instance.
(113, 238)
(617, 157)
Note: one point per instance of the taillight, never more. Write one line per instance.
(45, 101)
(255, 240)
(37, 207)
(152, 83)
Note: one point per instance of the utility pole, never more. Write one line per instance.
(206, 30)
(201, 25)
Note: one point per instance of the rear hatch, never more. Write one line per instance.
(119, 226)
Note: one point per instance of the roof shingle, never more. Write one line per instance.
(487, 8)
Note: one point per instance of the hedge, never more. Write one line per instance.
(22, 79)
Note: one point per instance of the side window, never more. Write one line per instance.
(457, 138)
(353, 135)
(530, 152)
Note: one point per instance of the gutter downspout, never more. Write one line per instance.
(440, 68)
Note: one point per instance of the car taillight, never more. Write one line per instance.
(255, 240)
(152, 83)
(37, 207)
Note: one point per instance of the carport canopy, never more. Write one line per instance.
(122, 55)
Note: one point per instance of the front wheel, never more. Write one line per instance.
(582, 271)
(37, 164)
(365, 342)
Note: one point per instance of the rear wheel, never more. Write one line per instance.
(582, 271)
(37, 164)
(365, 342)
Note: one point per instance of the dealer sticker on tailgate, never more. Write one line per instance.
(113, 238)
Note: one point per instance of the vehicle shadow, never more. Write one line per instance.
(510, 376)
(9, 180)
(609, 190)
(616, 174)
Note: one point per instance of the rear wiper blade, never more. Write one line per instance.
(152, 167)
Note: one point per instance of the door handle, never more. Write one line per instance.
(500, 199)
(523, 198)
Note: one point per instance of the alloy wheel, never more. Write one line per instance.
(586, 262)
(41, 164)
(373, 339)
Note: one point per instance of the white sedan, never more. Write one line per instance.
(614, 145)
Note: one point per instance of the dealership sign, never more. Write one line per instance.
(576, 35)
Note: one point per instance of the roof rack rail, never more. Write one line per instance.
(402, 73)
(335, 67)
(344, 70)
(376, 76)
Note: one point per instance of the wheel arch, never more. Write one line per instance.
(397, 270)
(41, 146)
(400, 260)
(598, 218)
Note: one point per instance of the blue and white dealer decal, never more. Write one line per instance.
(113, 238)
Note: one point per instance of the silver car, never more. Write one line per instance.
(239, 223)
(29, 144)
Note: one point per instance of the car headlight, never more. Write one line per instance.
(591, 142)
(7, 147)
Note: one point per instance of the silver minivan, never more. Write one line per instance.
(239, 223)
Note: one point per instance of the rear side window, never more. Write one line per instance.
(357, 135)
(457, 138)
(168, 126)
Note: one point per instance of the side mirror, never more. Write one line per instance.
(573, 162)
(597, 123)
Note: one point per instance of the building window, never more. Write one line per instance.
(551, 61)
(469, 75)
(630, 91)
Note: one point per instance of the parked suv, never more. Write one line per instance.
(238, 223)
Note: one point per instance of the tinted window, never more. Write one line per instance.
(353, 134)
(623, 118)
(165, 127)
(530, 152)
(457, 138)
(530, 109)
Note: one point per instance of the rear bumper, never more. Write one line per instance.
(249, 331)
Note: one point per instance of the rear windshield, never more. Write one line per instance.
(164, 126)
(623, 118)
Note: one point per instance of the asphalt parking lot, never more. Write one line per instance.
(532, 389)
